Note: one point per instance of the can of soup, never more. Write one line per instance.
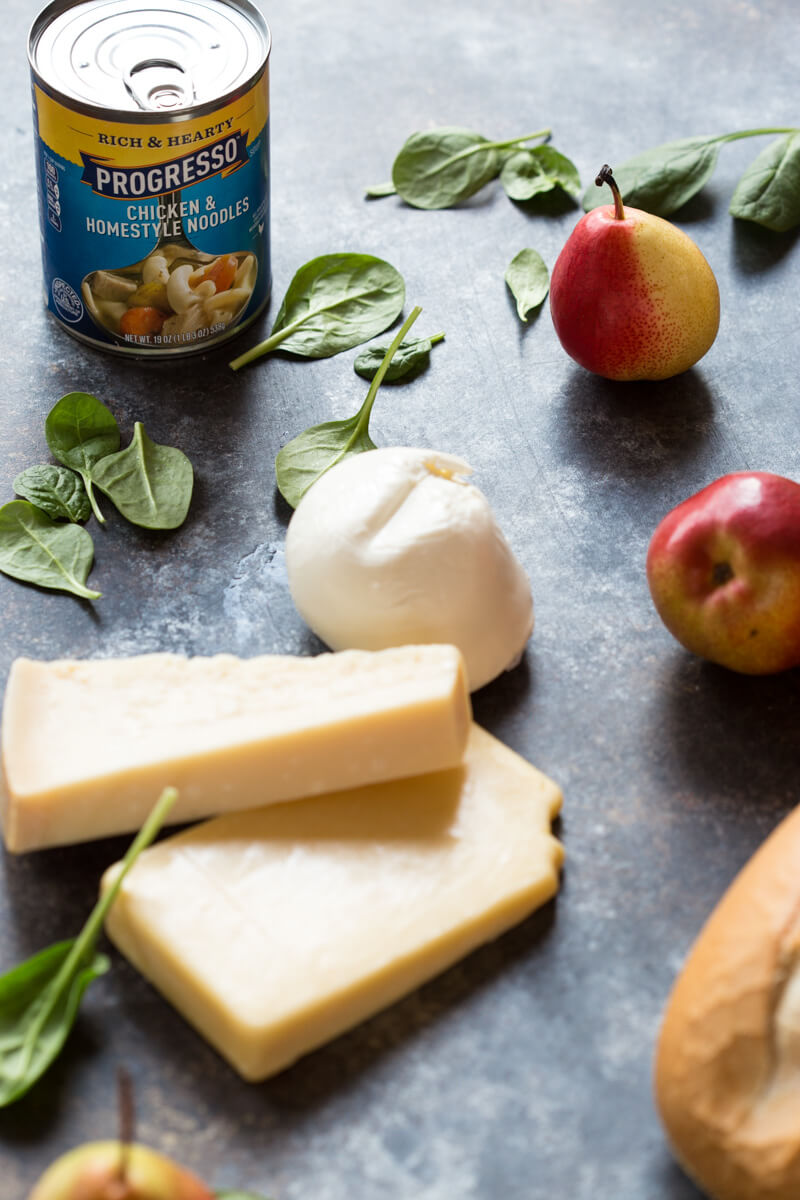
(152, 152)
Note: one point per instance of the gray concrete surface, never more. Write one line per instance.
(524, 1072)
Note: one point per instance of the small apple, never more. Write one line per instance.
(116, 1171)
(631, 295)
(724, 572)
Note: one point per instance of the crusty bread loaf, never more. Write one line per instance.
(727, 1073)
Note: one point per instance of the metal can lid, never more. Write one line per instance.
(148, 56)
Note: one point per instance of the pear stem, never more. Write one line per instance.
(604, 175)
(127, 1120)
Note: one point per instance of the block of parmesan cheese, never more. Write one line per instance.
(88, 746)
(274, 930)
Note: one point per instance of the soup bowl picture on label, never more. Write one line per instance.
(177, 294)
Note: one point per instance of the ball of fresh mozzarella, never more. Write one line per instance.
(394, 547)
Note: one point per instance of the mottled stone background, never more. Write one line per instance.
(524, 1072)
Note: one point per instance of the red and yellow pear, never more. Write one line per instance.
(631, 295)
(115, 1171)
(118, 1170)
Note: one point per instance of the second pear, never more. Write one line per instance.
(631, 295)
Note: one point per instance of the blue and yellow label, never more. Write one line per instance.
(155, 235)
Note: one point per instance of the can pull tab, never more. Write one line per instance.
(159, 83)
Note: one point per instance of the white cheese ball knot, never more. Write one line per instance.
(394, 547)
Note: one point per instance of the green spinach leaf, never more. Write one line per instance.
(438, 168)
(301, 461)
(769, 191)
(411, 356)
(529, 173)
(39, 999)
(529, 280)
(56, 490)
(35, 549)
(663, 179)
(79, 432)
(333, 303)
(150, 485)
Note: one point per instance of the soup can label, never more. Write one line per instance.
(154, 216)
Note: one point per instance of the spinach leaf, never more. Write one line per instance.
(528, 173)
(59, 492)
(39, 999)
(529, 280)
(412, 355)
(150, 485)
(661, 180)
(301, 461)
(769, 191)
(664, 178)
(438, 168)
(79, 432)
(333, 303)
(35, 549)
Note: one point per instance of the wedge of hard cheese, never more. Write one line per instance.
(274, 930)
(88, 746)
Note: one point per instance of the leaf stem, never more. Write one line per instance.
(83, 592)
(482, 147)
(85, 941)
(266, 346)
(746, 133)
(83, 946)
(90, 493)
(366, 408)
(504, 145)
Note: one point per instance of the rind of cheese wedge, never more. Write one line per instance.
(88, 746)
(273, 931)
